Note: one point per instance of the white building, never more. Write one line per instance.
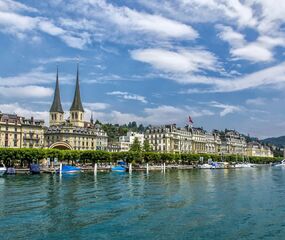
(125, 142)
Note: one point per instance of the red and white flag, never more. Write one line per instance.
(190, 120)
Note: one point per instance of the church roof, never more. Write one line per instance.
(56, 105)
(77, 104)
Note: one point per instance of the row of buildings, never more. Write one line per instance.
(78, 134)
(172, 139)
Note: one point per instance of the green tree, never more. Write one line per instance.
(136, 146)
(146, 146)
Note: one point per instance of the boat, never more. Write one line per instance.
(206, 166)
(244, 165)
(69, 169)
(11, 171)
(282, 164)
(121, 167)
(35, 169)
(3, 169)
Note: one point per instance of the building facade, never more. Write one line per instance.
(125, 142)
(171, 139)
(256, 149)
(232, 142)
(73, 133)
(20, 132)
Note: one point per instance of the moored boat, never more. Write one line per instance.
(3, 169)
(35, 169)
(121, 167)
(11, 171)
(243, 165)
(69, 169)
(282, 164)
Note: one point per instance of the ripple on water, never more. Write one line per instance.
(222, 204)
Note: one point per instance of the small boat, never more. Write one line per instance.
(243, 165)
(69, 169)
(35, 169)
(206, 166)
(11, 171)
(121, 167)
(282, 164)
(3, 169)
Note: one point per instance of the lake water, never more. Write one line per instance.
(178, 204)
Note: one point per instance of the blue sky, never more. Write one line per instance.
(154, 62)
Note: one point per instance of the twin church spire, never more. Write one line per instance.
(76, 110)
(56, 104)
(77, 104)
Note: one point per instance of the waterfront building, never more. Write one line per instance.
(169, 139)
(232, 142)
(20, 132)
(256, 149)
(125, 142)
(205, 142)
(172, 139)
(73, 133)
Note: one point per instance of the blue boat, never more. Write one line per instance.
(35, 169)
(69, 169)
(121, 167)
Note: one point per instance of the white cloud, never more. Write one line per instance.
(24, 111)
(130, 20)
(227, 34)
(253, 52)
(164, 114)
(61, 59)
(260, 50)
(227, 109)
(256, 101)
(34, 77)
(143, 22)
(128, 96)
(182, 60)
(96, 106)
(26, 92)
(271, 76)
(9, 5)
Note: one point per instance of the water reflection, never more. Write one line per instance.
(197, 204)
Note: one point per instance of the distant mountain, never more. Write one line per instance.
(277, 141)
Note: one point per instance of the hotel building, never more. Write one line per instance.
(20, 132)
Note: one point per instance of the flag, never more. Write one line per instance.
(190, 120)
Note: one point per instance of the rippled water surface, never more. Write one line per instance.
(178, 204)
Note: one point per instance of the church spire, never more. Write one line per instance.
(56, 105)
(91, 118)
(77, 104)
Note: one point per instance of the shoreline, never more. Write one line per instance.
(135, 168)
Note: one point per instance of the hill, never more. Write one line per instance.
(277, 141)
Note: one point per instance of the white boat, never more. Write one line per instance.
(3, 169)
(206, 166)
(244, 165)
(282, 164)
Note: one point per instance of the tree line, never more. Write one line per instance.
(24, 157)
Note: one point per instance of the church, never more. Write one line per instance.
(73, 133)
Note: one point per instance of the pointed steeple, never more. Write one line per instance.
(56, 105)
(77, 104)
(91, 119)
